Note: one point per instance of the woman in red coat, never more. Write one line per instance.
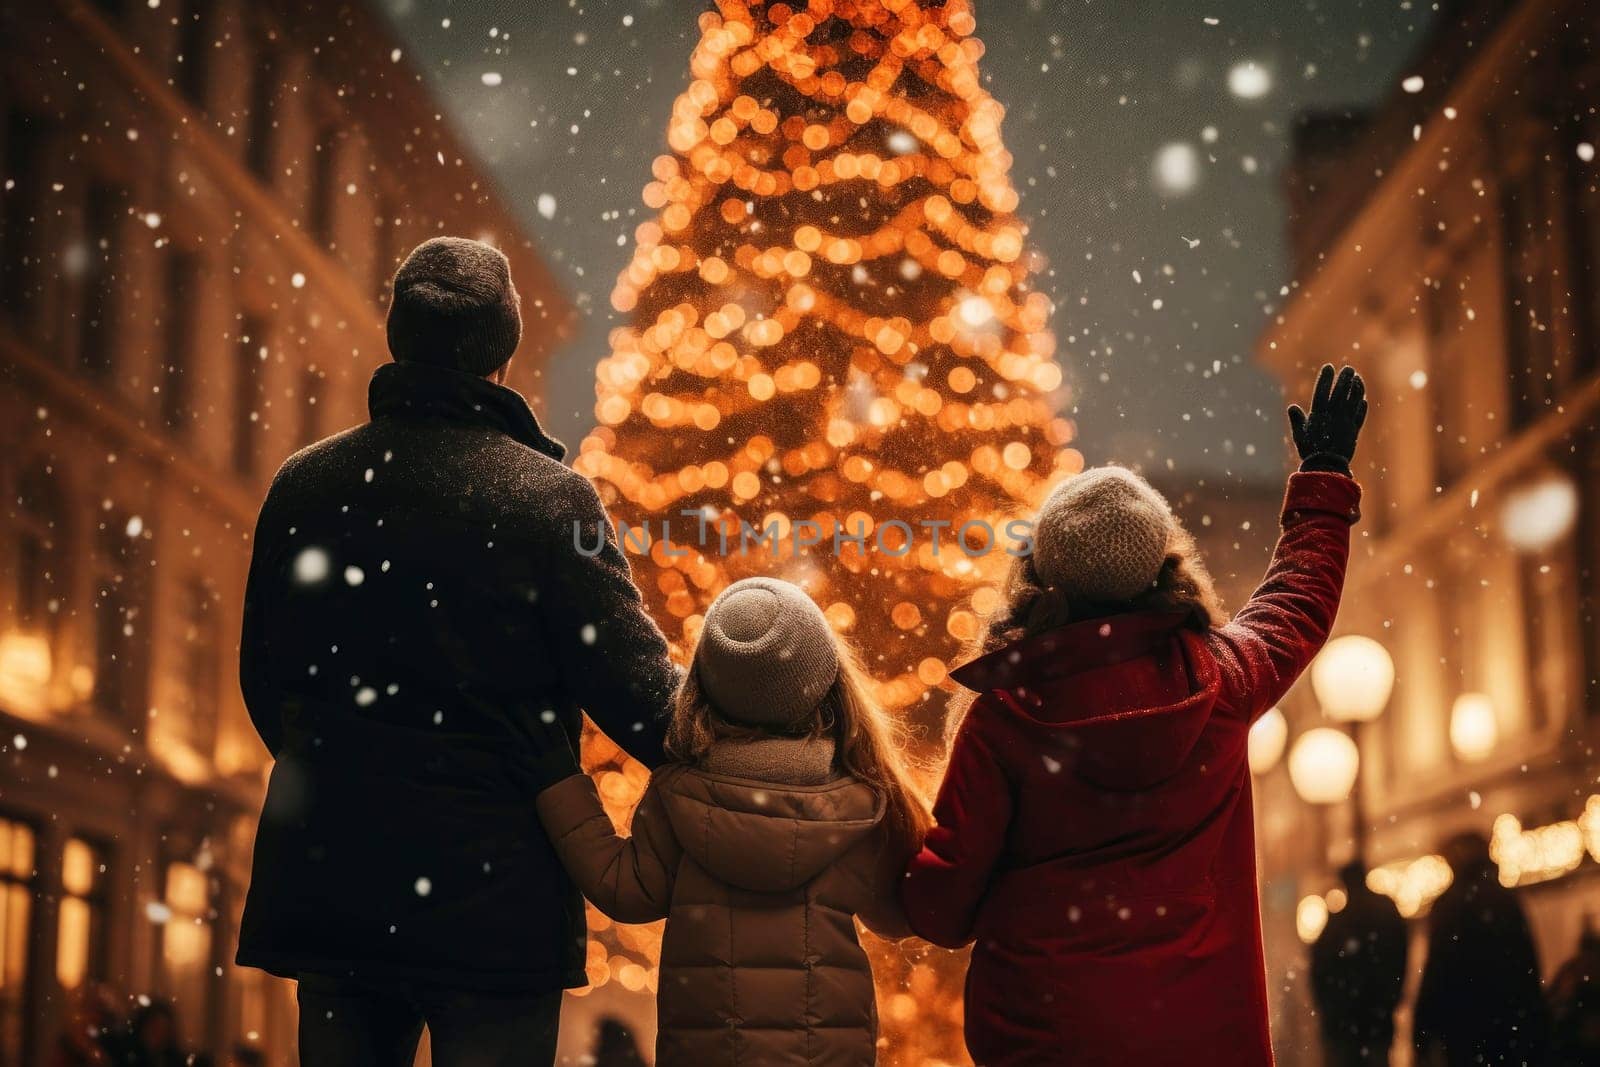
(1095, 836)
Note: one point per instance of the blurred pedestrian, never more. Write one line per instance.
(152, 1037)
(243, 1055)
(615, 1045)
(1575, 1004)
(1481, 1001)
(1358, 969)
(88, 1033)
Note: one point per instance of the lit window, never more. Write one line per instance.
(80, 943)
(186, 944)
(16, 896)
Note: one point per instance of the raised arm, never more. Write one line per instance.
(628, 878)
(1286, 621)
(614, 660)
(947, 881)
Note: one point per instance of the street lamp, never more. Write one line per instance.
(1353, 678)
(1310, 917)
(1323, 765)
(1266, 742)
(1539, 513)
(1473, 729)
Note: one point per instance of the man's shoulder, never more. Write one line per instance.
(539, 466)
(483, 478)
(304, 462)
(477, 447)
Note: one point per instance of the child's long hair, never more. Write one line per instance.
(869, 744)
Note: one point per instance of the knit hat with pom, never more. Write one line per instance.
(1102, 536)
(766, 656)
(454, 306)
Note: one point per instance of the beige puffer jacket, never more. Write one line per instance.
(760, 881)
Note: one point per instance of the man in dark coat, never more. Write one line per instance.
(1481, 1001)
(1358, 970)
(423, 588)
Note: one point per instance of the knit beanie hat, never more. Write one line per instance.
(454, 306)
(1102, 536)
(766, 656)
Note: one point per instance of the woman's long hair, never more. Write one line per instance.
(1028, 606)
(869, 744)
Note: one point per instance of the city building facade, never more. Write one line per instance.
(1448, 245)
(203, 203)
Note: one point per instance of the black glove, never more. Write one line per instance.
(1326, 438)
(540, 753)
(550, 757)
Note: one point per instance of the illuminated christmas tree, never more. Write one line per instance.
(831, 323)
(833, 340)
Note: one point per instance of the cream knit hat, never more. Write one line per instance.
(1102, 536)
(766, 654)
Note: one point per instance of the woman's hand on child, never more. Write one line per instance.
(1326, 438)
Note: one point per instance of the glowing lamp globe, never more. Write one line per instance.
(1353, 677)
(1538, 514)
(1310, 917)
(1268, 737)
(1323, 765)
(1473, 729)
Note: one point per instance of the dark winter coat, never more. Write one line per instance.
(1575, 1006)
(760, 881)
(412, 579)
(1481, 1001)
(1358, 972)
(1095, 832)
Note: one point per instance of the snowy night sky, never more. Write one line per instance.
(1149, 139)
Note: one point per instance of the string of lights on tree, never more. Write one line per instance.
(832, 322)
(832, 331)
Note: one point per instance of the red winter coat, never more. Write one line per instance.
(1095, 834)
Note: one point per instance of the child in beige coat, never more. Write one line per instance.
(787, 815)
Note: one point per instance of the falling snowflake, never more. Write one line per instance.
(312, 566)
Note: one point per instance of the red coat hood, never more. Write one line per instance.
(1130, 694)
